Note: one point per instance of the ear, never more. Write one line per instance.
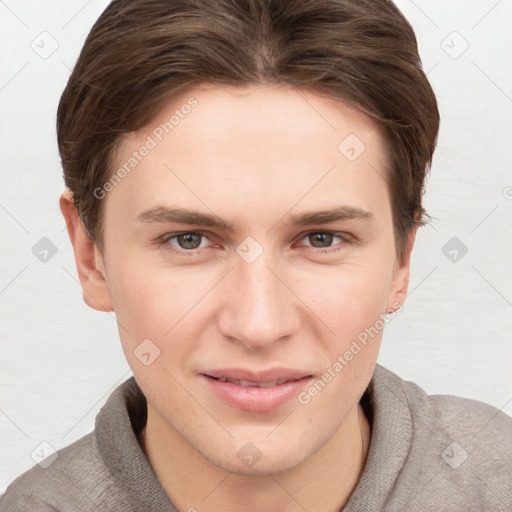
(89, 263)
(401, 276)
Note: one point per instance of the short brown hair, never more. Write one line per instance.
(140, 52)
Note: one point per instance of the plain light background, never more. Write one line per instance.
(60, 360)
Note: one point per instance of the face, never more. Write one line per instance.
(253, 242)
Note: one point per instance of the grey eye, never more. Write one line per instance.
(323, 239)
(189, 240)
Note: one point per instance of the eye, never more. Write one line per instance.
(326, 239)
(187, 241)
(190, 242)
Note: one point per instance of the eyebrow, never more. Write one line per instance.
(161, 214)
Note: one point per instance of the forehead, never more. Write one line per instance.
(254, 144)
(247, 111)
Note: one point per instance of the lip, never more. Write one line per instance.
(256, 399)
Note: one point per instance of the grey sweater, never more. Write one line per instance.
(427, 453)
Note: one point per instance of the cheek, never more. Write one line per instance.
(352, 303)
(143, 311)
(348, 298)
(141, 292)
(161, 304)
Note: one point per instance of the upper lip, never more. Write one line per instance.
(271, 375)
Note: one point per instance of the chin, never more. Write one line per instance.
(251, 461)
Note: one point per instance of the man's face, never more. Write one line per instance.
(264, 293)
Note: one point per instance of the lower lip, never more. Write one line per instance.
(254, 399)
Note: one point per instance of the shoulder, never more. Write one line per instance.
(463, 420)
(456, 415)
(460, 451)
(71, 481)
(453, 415)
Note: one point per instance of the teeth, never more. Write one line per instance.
(250, 384)
(267, 384)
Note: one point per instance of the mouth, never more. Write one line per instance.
(255, 391)
(249, 384)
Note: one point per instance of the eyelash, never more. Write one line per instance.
(164, 241)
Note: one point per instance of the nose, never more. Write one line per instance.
(259, 307)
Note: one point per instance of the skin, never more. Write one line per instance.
(253, 156)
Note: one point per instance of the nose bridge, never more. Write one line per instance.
(258, 309)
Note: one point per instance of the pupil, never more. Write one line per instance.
(325, 238)
(187, 241)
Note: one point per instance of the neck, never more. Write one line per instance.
(323, 482)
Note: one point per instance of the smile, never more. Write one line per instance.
(255, 392)
(249, 384)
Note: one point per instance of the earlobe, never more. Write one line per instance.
(401, 276)
(89, 263)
